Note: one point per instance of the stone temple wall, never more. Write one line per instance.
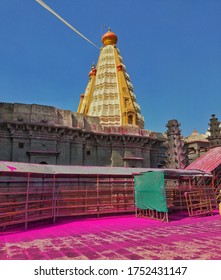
(45, 134)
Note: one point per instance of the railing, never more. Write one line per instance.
(152, 214)
(25, 201)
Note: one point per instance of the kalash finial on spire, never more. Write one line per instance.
(93, 70)
(109, 38)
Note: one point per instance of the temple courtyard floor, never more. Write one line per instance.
(122, 237)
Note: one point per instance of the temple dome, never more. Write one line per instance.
(109, 38)
(196, 137)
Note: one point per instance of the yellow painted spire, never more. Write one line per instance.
(109, 94)
(86, 98)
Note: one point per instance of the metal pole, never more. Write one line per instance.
(26, 204)
(54, 200)
(98, 199)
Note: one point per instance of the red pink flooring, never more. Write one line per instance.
(112, 238)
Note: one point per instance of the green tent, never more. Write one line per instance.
(150, 191)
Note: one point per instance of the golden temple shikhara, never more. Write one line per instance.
(109, 94)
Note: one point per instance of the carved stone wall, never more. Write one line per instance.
(44, 134)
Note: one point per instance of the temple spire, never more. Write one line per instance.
(109, 94)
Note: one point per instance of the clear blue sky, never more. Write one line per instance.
(171, 48)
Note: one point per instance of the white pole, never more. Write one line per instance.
(64, 21)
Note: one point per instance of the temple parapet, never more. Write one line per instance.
(130, 130)
(52, 116)
(47, 135)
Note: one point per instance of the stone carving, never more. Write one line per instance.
(176, 156)
(215, 132)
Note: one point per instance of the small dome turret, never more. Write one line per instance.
(93, 71)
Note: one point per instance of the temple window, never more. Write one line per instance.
(130, 119)
(126, 102)
(21, 145)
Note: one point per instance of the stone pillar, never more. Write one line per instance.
(103, 151)
(64, 149)
(215, 132)
(77, 149)
(117, 151)
(5, 144)
(146, 157)
(177, 157)
(19, 149)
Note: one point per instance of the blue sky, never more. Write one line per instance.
(171, 49)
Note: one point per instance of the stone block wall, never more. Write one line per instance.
(45, 134)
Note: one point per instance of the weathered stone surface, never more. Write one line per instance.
(177, 157)
(45, 134)
(215, 132)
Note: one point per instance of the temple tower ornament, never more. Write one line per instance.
(109, 94)
(215, 132)
(175, 146)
